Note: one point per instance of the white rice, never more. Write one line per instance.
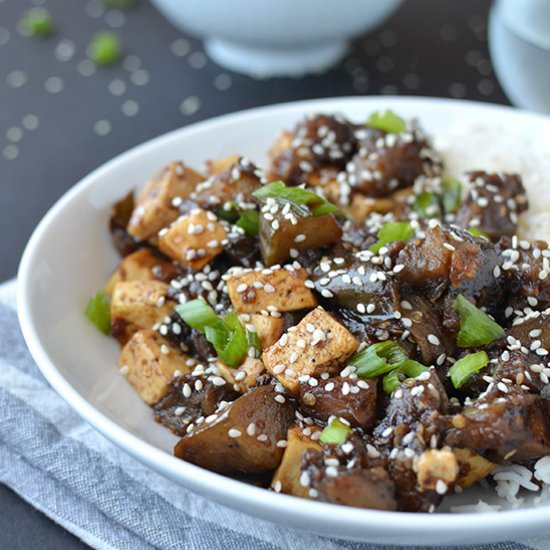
(502, 149)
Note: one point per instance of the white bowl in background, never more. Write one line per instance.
(70, 256)
(519, 41)
(266, 38)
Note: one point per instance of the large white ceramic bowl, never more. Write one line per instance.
(276, 37)
(70, 255)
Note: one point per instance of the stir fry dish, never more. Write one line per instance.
(350, 325)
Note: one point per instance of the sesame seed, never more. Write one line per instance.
(124, 370)
(251, 429)
(178, 411)
(433, 339)
(440, 487)
(186, 390)
(280, 398)
(234, 433)
(282, 443)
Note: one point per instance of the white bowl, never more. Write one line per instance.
(276, 38)
(519, 40)
(70, 255)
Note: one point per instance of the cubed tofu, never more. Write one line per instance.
(268, 328)
(154, 209)
(473, 467)
(150, 364)
(319, 343)
(244, 377)
(361, 207)
(215, 167)
(194, 239)
(141, 265)
(262, 290)
(136, 305)
(435, 466)
(287, 477)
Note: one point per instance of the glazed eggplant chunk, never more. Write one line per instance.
(354, 325)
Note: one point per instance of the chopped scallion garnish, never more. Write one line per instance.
(387, 121)
(465, 367)
(386, 358)
(38, 22)
(476, 327)
(451, 189)
(249, 220)
(476, 232)
(197, 314)
(277, 190)
(391, 232)
(227, 334)
(427, 205)
(104, 49)
(335, 433)
(98, 311)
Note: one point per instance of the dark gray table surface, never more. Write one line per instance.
(429, 48)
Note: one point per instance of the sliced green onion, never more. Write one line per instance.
(253, 341)
(465, 367)
(378, 359)
(197, 314)
(327, 208)
(236, 348)
(451, 194)
(391, 381)
(297, 195)
(387, 121)
(38, 22)
(392, 231)
(104, 49)
(476, 327)
(335, 433)
(249, 220)
(408, 368)
(228, 212)
(427, 205)
(476, 232)
(227, 334)
(98, 311)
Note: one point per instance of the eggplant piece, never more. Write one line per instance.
(223, 442)
(176, 412)
(297, 230)
(511, 426)
(287, 477)
(388, 162)
(348, 483)
(235, 184)
(493, 204)
(319, 141)
(333, 397)
(120, 216)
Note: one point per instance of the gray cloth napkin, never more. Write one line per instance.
(59, 464)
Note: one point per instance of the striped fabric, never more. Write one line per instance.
(55, 461)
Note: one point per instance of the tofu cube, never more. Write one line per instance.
(436, 465)
(136, 305)
(194, 240)
(287, 476)
(268, 329)
(215, 167)
(244, 377)
(280, 289)
(149, 364)
(154, 209)
(318, 343)
(141, 265)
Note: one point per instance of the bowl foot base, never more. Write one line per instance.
(266, 62)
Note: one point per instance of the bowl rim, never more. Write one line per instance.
(228, 491)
